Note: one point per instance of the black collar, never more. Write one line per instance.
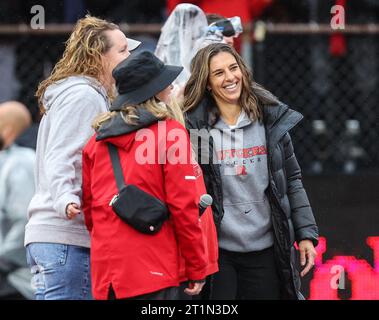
(116, 126)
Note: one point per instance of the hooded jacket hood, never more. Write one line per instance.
(116, 127)
(55, 90)
(276, 114)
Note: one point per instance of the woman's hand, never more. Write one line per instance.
(307, 255)
(194, 288)
(72, 210)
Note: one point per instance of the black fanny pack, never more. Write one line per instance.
(134, 206)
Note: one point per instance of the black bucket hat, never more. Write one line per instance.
(141, 76)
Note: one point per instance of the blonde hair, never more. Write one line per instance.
(82, 55)
(129, 112)
(252, 93)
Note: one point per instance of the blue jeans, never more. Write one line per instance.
(60, 271)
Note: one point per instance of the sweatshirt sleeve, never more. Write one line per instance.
(70, 130)
(182, 200)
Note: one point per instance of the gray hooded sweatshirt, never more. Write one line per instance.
(71, 106)
(242, 153)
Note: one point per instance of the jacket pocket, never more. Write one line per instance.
(48, 255)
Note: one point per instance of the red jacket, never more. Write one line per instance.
(132, 262)
(209, 231)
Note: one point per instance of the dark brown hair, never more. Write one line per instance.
(252, 96)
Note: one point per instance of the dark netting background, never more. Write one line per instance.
(35, 58)
(338, 97)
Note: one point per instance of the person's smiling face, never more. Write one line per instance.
(225, 78)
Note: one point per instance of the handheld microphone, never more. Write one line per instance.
(205, 201)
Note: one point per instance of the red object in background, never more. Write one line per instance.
(247, 10)
(337, 45)
(337, 41)
(327, 275)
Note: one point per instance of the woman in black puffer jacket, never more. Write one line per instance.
(240, 133)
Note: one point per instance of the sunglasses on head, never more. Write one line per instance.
(229, 27)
